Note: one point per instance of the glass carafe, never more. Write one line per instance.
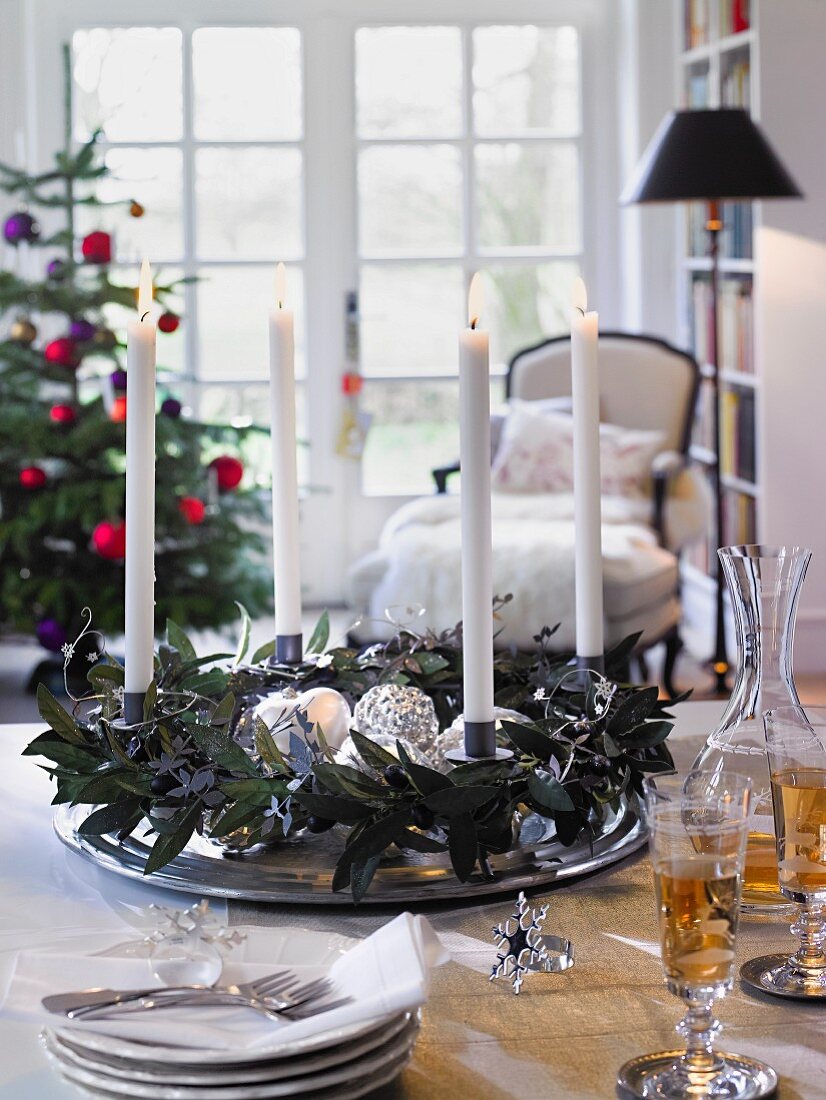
(764, 583)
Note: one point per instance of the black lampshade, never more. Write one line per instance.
(720, 154)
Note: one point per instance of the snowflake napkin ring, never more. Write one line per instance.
(523, 948)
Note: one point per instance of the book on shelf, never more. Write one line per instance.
(735, 82)
(696, 237)
(735, 16)
(698, 86)
(703, 431)
(737, 441)
(736, 326)
(702, 318)
(736, 237)
(697, 20)
(739, 518)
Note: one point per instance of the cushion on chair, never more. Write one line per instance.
(535, 453)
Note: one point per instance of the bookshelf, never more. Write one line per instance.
(716, 40)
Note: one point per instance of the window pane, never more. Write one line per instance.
(528, 195)
(410, 316)
(525, 79)
(528, 302)
(170, 345)
(154, 178)
(128, 81)
(248, 203)
(415, 427)
(247, 83)
(234, 304)
(408, 82)
(243, 405)
(410, 199)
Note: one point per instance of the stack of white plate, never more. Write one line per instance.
(343, 1063)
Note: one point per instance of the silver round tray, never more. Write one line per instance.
(301, 872)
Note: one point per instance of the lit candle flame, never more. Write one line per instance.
(579, 295)
(145, 290)
(475, 301)
(280, 284)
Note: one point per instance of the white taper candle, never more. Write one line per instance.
(285, 517)
(477, 572)
(140, 498)
(587, 491)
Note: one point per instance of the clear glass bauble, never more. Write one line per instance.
(764, 583)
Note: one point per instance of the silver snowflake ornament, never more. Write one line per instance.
(520, 943)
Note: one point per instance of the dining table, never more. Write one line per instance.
(564, 1036)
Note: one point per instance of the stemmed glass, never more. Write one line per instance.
(698, 827)
(796, 745)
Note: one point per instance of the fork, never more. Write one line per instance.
(80, 1002)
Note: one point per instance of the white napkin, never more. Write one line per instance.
(385, 974)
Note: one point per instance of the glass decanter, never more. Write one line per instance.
(764, 583)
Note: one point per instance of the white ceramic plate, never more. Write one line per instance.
(151, 1070)
(388, 1059)
(312, 953)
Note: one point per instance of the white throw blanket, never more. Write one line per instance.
(533, 541)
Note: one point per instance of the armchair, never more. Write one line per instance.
(645, 385)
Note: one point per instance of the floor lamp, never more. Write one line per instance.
(711, 156)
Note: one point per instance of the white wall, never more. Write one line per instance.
(790, 338)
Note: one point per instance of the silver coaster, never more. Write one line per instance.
(759, 975)
(756, 1079)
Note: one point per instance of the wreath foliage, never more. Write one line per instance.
(180, 772)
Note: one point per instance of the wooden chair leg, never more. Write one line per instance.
(673, 646)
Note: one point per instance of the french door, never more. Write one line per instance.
(385, 150)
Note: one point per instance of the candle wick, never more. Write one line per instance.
(474, 322)
(144, 316)
(581, 311)
(280, 304)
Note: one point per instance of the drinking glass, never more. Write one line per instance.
(796, 746)
(698, 827)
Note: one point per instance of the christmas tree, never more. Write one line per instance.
(63, 396)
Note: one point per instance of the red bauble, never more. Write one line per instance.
(192, 509)
(97, 248)
(168, 322)
(62, 414)
(32, 477)
(118, 412)
(63, 353)
(109, 540)
(228, 471)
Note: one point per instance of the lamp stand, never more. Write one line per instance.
(719, 662)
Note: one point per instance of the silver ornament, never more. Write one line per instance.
(398, 711)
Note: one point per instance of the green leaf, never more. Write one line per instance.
(149, 701)
(244, 639)
(68, 756)
(568, 828)
(361, 875)
(223, 713)
(242, 813)
(347, 780)
(418, 842)
(321, 635)
(266, 747)
(177, 638)
(622, 649)
(530, 741)
(425, 780)
(167, 847)
(430, 662)
(112, 819)
(633, 710)
(646, 736)
(334, 808)
(549, 793)
(103, 787)
(372, 754)
(460, 800)
(612, 749)
(221, 749)
(209, 683)
(103, 673)
(57, 718)
(263, 652)
(463, 846)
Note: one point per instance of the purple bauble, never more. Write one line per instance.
(81, 330)
(51, 635)
(20, 226)
(118, 379)
(56, 270)
(171, 407)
